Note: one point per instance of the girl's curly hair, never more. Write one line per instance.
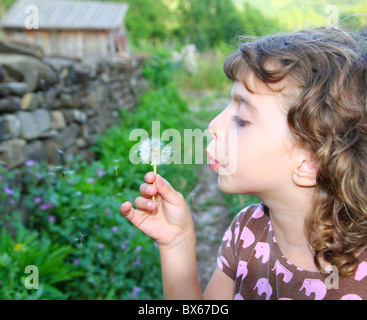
(328, 116)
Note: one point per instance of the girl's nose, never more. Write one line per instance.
(217, 123)
(211, 130)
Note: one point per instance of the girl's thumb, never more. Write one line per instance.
(166, 191)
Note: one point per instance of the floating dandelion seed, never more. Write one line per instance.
(82, 236)
(154, 152)
(116, 166)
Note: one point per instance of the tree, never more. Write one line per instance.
(146, 19)
(207, 23)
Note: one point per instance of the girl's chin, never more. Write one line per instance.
(225, 185)
(228, 184)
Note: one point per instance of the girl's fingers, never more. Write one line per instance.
(150, 177)
(133, 215)
(142, 203)
(147, 190)
(127, 210)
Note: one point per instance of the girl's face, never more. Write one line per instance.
(252, 149)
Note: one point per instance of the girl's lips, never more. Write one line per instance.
(214, 164)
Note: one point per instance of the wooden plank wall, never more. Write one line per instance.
(73, 43)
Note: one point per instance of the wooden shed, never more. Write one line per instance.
(69, 28)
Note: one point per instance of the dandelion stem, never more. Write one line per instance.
(155, 172)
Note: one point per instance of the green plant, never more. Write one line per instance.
(159, 68)
(79, 208)
(25, 248)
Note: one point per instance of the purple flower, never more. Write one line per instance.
(100, 245)
(115, 229)
(138, 248)
(138, 261)
(8, 190)
(108, 211)
(100, 173)
(136, 290)
(30, 163)
(90, 180)
(76, 262)
(51, 219)
(37, 200)
(96, 226)
(123, 246)
(1, 177)
(39, 176)
(46, 205)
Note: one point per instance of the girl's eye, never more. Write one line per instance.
(240, 122)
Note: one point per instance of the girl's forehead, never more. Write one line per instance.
(287, 89)
(264, 98)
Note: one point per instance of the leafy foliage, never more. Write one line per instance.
(208, 23)
(26, 248)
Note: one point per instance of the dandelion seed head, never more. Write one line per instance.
(153, 151)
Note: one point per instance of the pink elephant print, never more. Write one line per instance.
(220, 261)
(262, 250)
(259, 212)
(238, 297)
(248, 237)
(228, 237)
(351, 297)
(315, 286)
(270, 226)
(361, 271)
(264, 286)
(242, 269)
(279, 269)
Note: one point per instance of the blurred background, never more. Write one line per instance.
(76, 77)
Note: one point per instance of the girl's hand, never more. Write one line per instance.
(167, 219)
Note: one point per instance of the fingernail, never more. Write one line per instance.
(150, 204)
(124, 205)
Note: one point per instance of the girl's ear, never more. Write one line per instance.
(304, 175)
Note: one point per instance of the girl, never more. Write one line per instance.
(299, 108)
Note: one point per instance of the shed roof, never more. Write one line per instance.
(67, 14)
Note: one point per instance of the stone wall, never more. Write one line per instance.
(54, 104)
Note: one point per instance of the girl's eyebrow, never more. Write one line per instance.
(246, 101)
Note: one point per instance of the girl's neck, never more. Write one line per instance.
(288, 222)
